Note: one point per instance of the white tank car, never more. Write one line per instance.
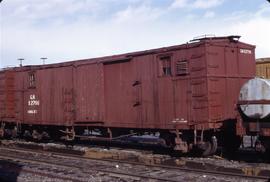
(254, 98)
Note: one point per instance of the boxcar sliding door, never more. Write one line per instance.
(122, 99)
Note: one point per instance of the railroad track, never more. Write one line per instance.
(94, 166)
(124, 169)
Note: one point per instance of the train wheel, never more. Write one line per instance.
(214, 145)
(208, 148)
(2, 130)
(169, 139)
(231, 144)
(36, 135)
(267, 155)
(265, 142)
(14, 132)
(27, 135)
(45, 136)
(228, 139)
(69, 134)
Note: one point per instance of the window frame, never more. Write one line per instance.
(32, 79)
(168, 72)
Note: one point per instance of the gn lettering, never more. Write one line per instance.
(32, 102)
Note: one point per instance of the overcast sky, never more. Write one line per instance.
(64, 30)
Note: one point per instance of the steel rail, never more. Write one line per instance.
(182, 169)
(39, 161)
(54, 176)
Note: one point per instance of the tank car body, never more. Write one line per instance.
(254, 105)
(256, 94)
(187, 93)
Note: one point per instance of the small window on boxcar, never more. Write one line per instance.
(32, 80)
(165, 66)
(181, 68)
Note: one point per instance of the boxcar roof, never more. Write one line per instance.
(121, 57)
(263, 60)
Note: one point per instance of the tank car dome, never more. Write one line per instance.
(255, 89)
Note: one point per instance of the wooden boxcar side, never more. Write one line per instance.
(229, 65)
(263, 68)
(190, 87)
(196, 83)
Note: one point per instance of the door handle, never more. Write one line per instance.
(136, 83)
(136, 104)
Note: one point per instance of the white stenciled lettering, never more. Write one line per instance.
(32, 97)
(33, 103)
(245, 51)
(32, 111)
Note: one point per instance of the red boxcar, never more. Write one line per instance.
(186, 92)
